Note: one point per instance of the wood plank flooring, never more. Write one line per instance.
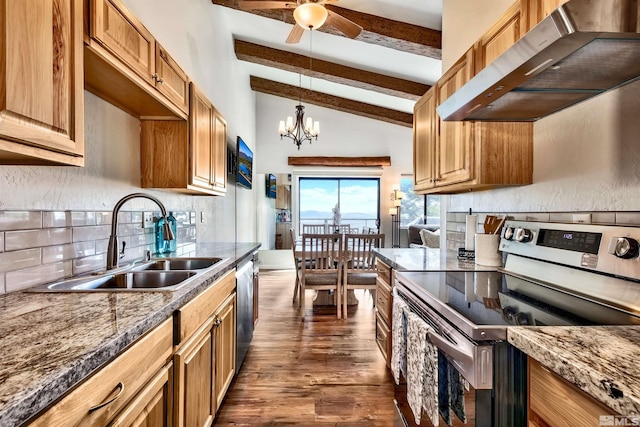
(322, 371)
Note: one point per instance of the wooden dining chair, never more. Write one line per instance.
(313, 229)
(297, 263)
(359, 270)
(321, 265)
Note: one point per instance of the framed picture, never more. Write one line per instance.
(271, 185)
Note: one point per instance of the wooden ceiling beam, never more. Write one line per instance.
(299, 64)
(376, 29)
(340, 161)
(333, 102)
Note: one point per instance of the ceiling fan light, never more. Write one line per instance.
(310, 15)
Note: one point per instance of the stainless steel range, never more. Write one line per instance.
(555, 274)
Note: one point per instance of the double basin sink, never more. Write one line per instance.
(167, 274)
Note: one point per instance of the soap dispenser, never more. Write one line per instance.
(159, 231)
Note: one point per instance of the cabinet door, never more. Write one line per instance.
(41, 82)
(219, 151)
(225, 347)
(118, 31)
(171, 80)
(200, 139)
(195, 379)
(425, 135)
(283, 197)
(454, 151)
(501, 36)
(152, 407)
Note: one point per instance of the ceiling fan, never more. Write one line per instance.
(309, 14)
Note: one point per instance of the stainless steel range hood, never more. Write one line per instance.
(582, 49)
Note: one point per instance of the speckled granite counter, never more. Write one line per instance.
(600, 360)
(51, 341)
(426, 259)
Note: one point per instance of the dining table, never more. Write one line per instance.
(324, 297)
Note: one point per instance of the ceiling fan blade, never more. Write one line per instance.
(349, 28)
(266, 4)
(296, 34)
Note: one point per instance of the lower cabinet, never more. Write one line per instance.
(384, 303)
(194, 379)
(126, 384)
(175, 375)
(153, 406)
(554, 402)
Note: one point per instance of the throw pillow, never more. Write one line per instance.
(430, 239)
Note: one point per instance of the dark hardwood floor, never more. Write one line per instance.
(322, 371)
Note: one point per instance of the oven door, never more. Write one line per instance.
(473, 360)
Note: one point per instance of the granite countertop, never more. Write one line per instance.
(426, 259)
(600, 360)
(51, 341)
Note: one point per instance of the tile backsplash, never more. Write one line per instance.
(456, 221)
(37, 247)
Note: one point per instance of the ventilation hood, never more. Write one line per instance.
(582, 49)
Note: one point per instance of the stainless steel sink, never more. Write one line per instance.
(166, 274)
(178, 264)
(128, 280)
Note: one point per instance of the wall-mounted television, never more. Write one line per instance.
(245, 164)
(271, 185)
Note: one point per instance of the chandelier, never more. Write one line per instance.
(299, 130)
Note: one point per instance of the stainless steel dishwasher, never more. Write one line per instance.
(244, 310)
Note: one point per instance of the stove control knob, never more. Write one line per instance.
(509, 314)
(523, 319)
(508, 233)
(626, 248)
(523, 235)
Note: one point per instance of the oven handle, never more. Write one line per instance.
(450, 349)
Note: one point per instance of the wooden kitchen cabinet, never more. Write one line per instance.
(205, 360)
(188, 157)
(41, 83)
(554, 402)
(143, 367)
(501, 36)
(454, 147)
(126, 66)
(225, 346)
(535, 11)
(195, 379)
(425, 137)
(454, 157)
(153, 406)
(384, 304)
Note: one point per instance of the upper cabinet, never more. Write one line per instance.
(186, 157)
(454, 157)
(126, 66)
(283, 197)
(535, 11)
(41, 82)
(508, 30)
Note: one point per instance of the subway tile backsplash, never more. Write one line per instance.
(37, 247)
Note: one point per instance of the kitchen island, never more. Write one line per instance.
(52, 341)
(426, 259)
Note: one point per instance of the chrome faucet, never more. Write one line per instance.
(112, 251)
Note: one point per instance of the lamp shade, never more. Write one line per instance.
(393, 211)
(310, 15)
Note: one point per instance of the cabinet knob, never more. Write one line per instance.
(154, 76)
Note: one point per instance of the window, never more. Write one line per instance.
(416, 208)
(357, 198)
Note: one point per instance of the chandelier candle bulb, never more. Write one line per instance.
(289, 123)
(281, 129)
(316, 128)
(309, 125)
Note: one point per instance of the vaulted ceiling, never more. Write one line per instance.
(379, 75)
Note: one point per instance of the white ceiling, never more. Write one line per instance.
(269, 32)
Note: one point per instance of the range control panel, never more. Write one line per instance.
(607, 249)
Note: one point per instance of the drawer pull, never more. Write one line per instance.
(120, 385)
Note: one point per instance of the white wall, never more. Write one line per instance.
(341, 134)
(196, 34)
(586, 158)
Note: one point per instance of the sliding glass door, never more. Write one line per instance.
(358, 201)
